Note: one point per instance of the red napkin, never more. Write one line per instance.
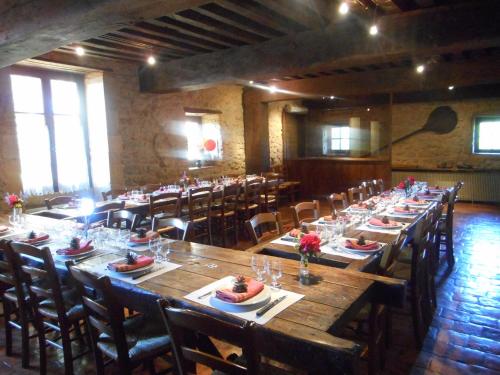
(142, 261)
(411, 201)
(254, 287)
(149, 235)
(402, 210)
(351, 244)
(379, 223)
(84, 248)
(39, 238)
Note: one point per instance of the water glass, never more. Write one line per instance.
(260, 265)
(165, 251)
(155, 246)
(276, 273)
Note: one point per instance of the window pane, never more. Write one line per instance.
(335, 132)
(27, 94)
(335, 144)
(34, 152)
(345, 131)
(212, 147)
(65, 99)
(72, 169)
(489, 135)
(344, 144)
(194, 140)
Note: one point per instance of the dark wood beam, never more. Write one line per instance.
(295, 10)
(31, 28)
(411, 35)
(406, 5)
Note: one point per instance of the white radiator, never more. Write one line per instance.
(478, 186)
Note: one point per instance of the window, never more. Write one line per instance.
(486, 135)
(51, 135)
(337, 139)
(203, 137)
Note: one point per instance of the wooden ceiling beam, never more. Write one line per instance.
(142, 52)
(342, 45)
(406, 5)
(100, 54)
(31, 28)
(297, 11)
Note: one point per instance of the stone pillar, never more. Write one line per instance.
(355, 136)
(374, 137)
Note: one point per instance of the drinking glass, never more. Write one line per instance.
(155, 246)
(166, 250)
(260, 265)
(276, 273)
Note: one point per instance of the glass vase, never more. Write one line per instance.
(304, 269)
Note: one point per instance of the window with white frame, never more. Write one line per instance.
(203, 137)
(337, 139)
(486, 138)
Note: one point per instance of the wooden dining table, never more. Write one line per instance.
(307, 329)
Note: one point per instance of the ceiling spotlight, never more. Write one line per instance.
(373, 30)
(451, 88)
(272, 89)
(151, 60)
(80, 51)
(250, 82)
(332, 97)
(368, 109)
(344, 8)
(420, 69)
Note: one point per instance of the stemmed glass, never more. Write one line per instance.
(276, 273)
(260, 265)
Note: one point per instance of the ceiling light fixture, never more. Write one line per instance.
(373, 30)
(272, 89)
(332, 97)
(368, 109)
(451, 88)
(250, 82)
(344, 8)
(420, 69)
(80, 51)
(151, 60)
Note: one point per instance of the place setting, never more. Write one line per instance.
(382, 225)
(246, 297)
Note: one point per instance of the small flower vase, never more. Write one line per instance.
(17, 213)
(304, 269)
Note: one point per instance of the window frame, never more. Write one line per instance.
(329, 138)
(475, 135)
(45, 75)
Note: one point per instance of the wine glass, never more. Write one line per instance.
(260, 266)
(276, 273)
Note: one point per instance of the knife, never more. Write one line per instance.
(269, 306)
(143, 274)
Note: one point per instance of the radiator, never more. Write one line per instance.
(478, 186)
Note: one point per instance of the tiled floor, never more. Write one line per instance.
(465, 335)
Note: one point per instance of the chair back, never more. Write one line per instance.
(251, 194)
(104, 315)
(168, 204)
(112, 194)
(229, 200)
(7, 267)
(379, 185)
(388, 261)
(184, 325)
(271, 193)
(355, 194)
(166, 226)
(56, 201)
(150, 188)
(310, 208)
(368, 189)
(41, 276)
(122, 219)
(338, 201)
(253, 226)
(199, 202)
(100, 214)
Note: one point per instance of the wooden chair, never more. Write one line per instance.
(165, 205)
(128, 342)
(122, 219)
(308, 207)
(355, 195)
(150, 188)
(166, 226)
(56, 306)
(186, 325)
(368, 189)
(337, 202)
(251, 202)
(379, 185)
(253, 226)
(224, 218)
(271, 195)
(100, 214)
(112, 194)
(57, 201)
(199, 213)
(17, 310)
(446, 227)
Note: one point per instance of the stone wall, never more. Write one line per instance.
(427, 150)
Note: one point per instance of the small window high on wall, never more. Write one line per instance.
(486, 135)
(52, 130)
(336, 139)
(203, 135)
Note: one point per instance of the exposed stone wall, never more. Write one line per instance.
(426, 150)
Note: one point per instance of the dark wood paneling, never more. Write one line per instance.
(322, 176)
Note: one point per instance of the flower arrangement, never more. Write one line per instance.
(407, 184)
(13, 201)
(309, 245)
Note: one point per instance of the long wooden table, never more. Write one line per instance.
(307, 328)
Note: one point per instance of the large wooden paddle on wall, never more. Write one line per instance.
(442, 120)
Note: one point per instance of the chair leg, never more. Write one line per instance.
(67, 351)
(450, 257)
(25, 339)
(99, 362)
(42, 345)
(7, 312)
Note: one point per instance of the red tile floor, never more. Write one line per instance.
(464, 337)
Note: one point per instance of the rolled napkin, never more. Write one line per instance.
(403, 211)
(353, 244)
(378, 223)
(254, 287)
(123, 266)
(136, 240)
(84, 248)
(38, 238)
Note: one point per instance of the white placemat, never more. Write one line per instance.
(247, 313)
(395, 214)
(279, 241)
(368, 228)
(158, 269)
(327, 249)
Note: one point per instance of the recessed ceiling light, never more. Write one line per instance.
(451, 88)
(272, 89)
(420, 69)
(368, 109)
(250, 82)
(80, 51)
(344, 8)
(151, 60)
(373, 30)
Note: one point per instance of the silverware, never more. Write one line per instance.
(206, 294)
(269, 306)
(142, 274)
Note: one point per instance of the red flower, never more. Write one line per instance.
(310, 244)
(401, 185)
(412, 180)
(13, 200)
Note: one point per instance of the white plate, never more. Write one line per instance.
(403, 213)
(414, 203)
(399, 226)
(361, 251)
(133, 272)
(81, 255)
(262, 297)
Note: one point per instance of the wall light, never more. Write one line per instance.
(373, 30)
(420, 69)
(80, 51)
(250, 82)
(451, 88)
(151, 60)
(272, 89)
(344, 8)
